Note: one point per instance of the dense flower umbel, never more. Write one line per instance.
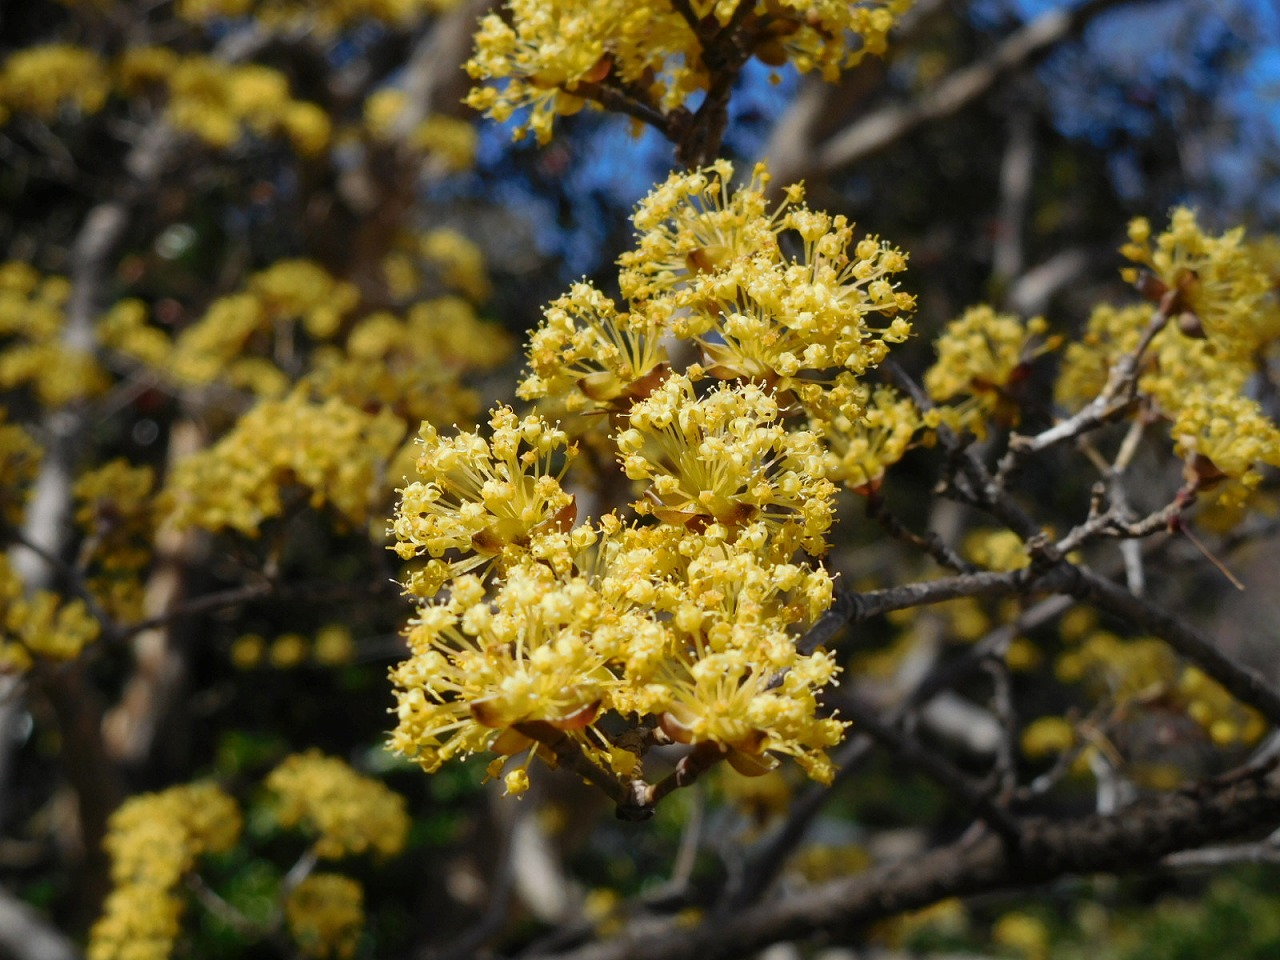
(547, 56)
(686, 615)
(484, 500)
(724, 458)
(348, 813)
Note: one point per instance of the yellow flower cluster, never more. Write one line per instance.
(498, 499)
(1046, 736)
(302, 290)
(1196, 371)
(996, 549)
(319, 452)
(1024, 935)
(982, 357)
(447, 141)
(20, 458)
(424, 265)
(1144, 670)
(219, 102)
(1213, 285)
(547, 56)
(39, 624)
(459, 262)
(710, 259)
(325, 915)
(43, 80)
(1232, 433)
(860, 449)
(325, 16)
(154, 840)
(680, 604)
(724, 458)
(708, 268)
(349, 814)
(114, 510)
(413, 366)
(32, 352)
(658, 621)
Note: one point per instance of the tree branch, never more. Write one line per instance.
(885, 127)
(1136, 837)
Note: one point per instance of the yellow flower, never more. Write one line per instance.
(481, 666)
(1232, 433)
(1047, 736)
(325, 914)
(1024, 934)
(726, 699)
(153, 840)
(585, 351)
(715, 254)
(542, 53)
(486, 499)
(725, 459)
(863, 446)
(330, 452)
(1214, 281)
(982, 357)
(349, 813)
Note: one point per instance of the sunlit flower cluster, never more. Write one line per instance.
(480, 501)
(154, 840)
(448, 142)
(413, 366)
(1229, 431)
(219, 103)
(549, 58)
(861, 448)
(708, 269)
(724, 458)
(643, 624)
(349, 814)
(712, 462)
(1214, 316)
(436, 261)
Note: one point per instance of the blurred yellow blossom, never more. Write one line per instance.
(348, 813)
(153, 840)
(41, 80)
(328, 452)
(325, 916)
(982, 357)
(544, 56)
(1214, 281)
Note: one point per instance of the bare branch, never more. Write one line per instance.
(1024, 46)
(1138, 836)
